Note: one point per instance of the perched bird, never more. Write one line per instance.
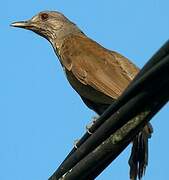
(97, 74)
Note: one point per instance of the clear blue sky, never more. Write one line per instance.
(41, 115)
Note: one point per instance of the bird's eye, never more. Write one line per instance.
(44, 16)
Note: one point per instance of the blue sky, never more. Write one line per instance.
(41, 115)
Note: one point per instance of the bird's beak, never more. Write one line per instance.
(22, 24)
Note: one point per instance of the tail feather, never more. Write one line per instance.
(139, 154)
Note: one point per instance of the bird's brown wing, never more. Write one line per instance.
(104, 70)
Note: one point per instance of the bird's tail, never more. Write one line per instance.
(139, 155)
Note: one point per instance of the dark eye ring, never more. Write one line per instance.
(44, 16)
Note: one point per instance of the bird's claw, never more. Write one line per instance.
(75, 143)
(88, 126)
(63, 177)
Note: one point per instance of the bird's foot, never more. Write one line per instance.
(75, 143)
(91, 124)
(63, 177)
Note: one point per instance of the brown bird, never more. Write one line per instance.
(97, 74)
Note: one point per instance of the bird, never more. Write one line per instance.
(97, 74)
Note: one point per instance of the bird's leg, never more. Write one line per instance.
(88, 126)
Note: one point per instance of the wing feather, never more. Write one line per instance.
(104, 70)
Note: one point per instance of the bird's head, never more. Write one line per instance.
(50, 24)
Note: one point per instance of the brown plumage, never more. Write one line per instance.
(97, 74)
